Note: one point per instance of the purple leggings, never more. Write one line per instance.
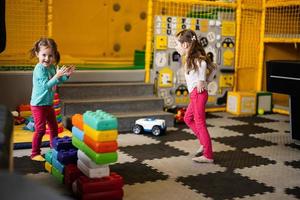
(41, 116)
(195, 119)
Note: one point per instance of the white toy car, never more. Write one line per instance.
(153, 125)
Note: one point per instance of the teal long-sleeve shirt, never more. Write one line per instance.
(43, 83)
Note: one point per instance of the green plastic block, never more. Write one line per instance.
(57, 175)
(48, 156)
(100, 120)
(98, 158)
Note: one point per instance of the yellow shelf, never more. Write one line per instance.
(282, 4)
(281, 40)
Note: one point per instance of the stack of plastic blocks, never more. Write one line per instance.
(97, 148)
(62, 155)
(24, 110)
(57, 110)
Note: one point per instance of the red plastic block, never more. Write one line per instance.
(100, 147)
(111, 195)
(77, 120)
(23, 107)
(96, 185)
(71, 174)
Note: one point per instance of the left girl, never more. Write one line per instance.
(45, 79)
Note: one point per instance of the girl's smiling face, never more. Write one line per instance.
(45, 56)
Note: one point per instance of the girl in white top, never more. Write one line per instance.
(199, 70)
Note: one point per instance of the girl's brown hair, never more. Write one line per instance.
(196, 51)
(45, 42)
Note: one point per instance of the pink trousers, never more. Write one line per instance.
(41, 116)
(195, 119)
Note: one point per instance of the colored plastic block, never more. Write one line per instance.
(48, 156)
(77, 133)
(241, 103)
(100, 147)
(100, 136)
(112, 195)
(71, 174)
(100, 120)
(48, 167)
(58, 166)
(76, 143)
(264, 102)
(56, 101)
(56, 95)
(59, 130)
(98, 158)
(77, 120)
(25, 113)
(87, 185)
(57, 111)
(67, 156)
(23, 107)
(87, 161)
(56, 106)
(54, 154)
(59, 118)
(100, 172)
(62, 143)
(59, 176)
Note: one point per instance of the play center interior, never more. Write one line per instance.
(128, 70)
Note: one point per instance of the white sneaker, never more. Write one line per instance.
(202, 159)
(199, 151)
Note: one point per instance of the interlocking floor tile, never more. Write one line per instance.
(279, 153)
(24, 165)
(294, 192)
(136, 172)
(131, 139)
(160, 190)
(241, 142)
(239, 159)
(232, 185)
(273, 175)
(191, 146)
(253, 119)
(152, 151)
(248, 129)
(182, 166)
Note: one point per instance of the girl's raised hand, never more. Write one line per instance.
(60, 71)
(70, 70)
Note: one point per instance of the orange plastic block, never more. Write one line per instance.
(100, 147)
(77, 120)
(24, 107)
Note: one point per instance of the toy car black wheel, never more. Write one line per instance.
(156, 130)
(137, 129)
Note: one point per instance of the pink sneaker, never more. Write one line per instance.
(202, 159)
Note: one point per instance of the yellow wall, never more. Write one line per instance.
(94, 31)
(90, 31)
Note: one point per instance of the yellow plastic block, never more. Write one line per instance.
(100, 136)
(241, 103)
(226, 80)
(48, 167)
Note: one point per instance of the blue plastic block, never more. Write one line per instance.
(100, 120)
(77, 133)
(59, 166)
(67, 156)
(62, 143)
(54, 154)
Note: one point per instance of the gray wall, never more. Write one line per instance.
(15, 86)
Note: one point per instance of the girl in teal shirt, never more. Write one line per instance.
(45, 79)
